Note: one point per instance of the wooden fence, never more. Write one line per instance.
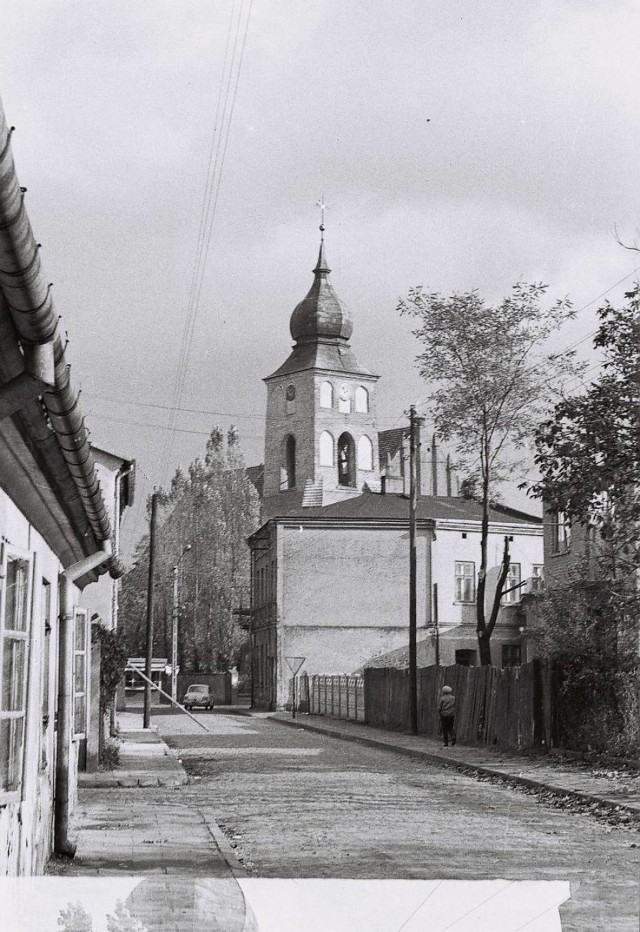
(337, 696)
(493, 706)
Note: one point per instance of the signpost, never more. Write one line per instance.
(294, 664)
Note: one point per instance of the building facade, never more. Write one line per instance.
(55, 539)
(330, 562)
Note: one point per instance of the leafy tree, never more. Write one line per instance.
(491, 383)
(588, 452)
(214, 508)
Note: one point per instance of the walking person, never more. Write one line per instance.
(447, 711)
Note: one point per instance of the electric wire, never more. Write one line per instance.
(208, 214)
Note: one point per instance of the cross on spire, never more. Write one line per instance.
(321, 204)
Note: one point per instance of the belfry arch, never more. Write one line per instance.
(346, 461)
(288, 466)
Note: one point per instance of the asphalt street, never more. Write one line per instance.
(294, 804)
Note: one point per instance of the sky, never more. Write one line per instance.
(456, 145)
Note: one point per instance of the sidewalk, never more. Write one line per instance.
(610, 790)
(135, 820)
(145, 760)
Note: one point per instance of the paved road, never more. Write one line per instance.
(295, 804)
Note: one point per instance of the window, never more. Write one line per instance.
(466, 658)
(537, 577)
(15, 610)
(511, 655)
(80, 674)
(561, 532)
(362, 400)
(465, 583)
(288, 469)
(512, 594)
(346, 461)
(365, 454)
(326, 395)
(326, 449)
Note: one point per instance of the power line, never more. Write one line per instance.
(217, 152)
(210, 202)
(236, 415)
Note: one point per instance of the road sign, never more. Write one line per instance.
(294, 663)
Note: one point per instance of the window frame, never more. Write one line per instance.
(85, 653)
(323, 450)
(537, 578)
(361, 400)
(7, 554)
(515, 595)
(326, 389)
(360, 460)
(462, 577)
(511, 648)
(561, 526)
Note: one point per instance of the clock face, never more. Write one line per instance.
(344, 392)
(291, 392)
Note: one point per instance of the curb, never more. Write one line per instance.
(226, 849)
(173, 776)
(452, 763)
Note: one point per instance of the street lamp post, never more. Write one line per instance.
(174, 628)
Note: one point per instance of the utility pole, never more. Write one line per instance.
(174, 637)
(174, 628)
(414, 445)
(153, 533)
(436, 624)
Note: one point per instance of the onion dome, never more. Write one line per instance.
(321, 315)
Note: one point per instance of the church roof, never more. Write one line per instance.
(336, 357)
(321, 326)
(394, 507)
(321, 314)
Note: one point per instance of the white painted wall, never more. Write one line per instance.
(451, 545)
(26, 824)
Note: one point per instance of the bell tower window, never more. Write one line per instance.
(326, 449)
(288, 468)
(346, 461)
(365, 454)
(326, 395)
(362, 400)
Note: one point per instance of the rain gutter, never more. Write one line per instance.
(46, 373)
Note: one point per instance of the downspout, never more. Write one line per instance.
(62, 844)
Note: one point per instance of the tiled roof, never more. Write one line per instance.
(392, 507)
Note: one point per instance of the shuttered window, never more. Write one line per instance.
(15, 616)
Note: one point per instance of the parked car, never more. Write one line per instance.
(197, 694)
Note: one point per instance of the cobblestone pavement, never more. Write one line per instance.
(297, 804)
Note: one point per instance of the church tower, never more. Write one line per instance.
(321, 436)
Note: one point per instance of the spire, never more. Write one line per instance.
(321, 315)
(322, 266)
